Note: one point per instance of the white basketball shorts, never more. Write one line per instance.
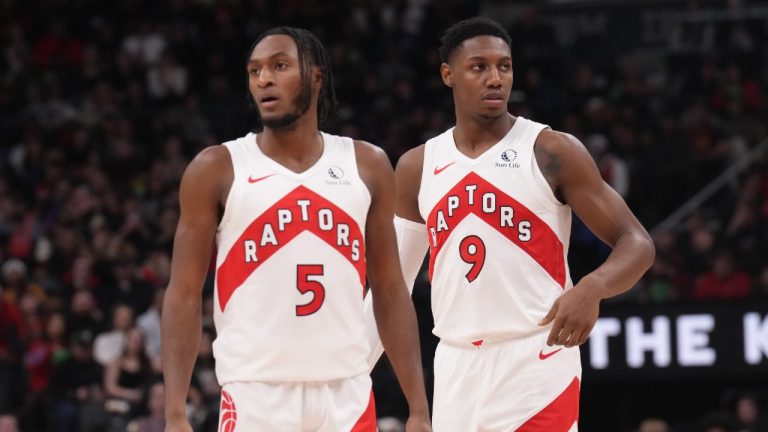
(514, 385)
(341, 405)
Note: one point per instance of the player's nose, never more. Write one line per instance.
(494, 80)
(265, 79)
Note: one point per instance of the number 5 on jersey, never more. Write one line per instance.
(472, 251)
(304, 284)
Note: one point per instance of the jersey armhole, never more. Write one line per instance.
(424, 183)
(232, 204)
(353, 164)
(546, 196)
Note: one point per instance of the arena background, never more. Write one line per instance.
(102, 105)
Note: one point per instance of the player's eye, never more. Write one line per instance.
(478, 67)
(254, 71)
(505, 67)
(281, 66)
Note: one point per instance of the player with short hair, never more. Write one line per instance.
(301, 219)
(491, 199)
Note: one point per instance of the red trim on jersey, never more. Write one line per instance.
(367, 421)
(234, 270)
(544, 246)
(559, 415)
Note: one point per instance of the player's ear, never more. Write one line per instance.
(317, 78)
(446, 74)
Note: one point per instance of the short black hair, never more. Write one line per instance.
(467, 29)
(311, 53)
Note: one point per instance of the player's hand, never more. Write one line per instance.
(178, 426)
(418, 423)
(574, 314)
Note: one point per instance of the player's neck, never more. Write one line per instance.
(474, 135)
(297, 147)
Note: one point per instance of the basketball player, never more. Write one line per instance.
(491, 198)
(296, 215)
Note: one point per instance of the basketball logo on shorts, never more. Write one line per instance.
(228, 413)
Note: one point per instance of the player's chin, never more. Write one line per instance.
(271, 111)
(274, 118)
(270, 116)
(492, 114)
(497, 111)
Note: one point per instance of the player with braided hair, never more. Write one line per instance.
(301, 220)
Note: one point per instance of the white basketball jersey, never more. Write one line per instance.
(498, 238)
(290, 268)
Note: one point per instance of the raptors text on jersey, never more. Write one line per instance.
(498, 237)
(290, 268)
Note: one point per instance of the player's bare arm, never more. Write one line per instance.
(576, 181)
(410, 230)
(408, 182)
(393, 309)
(203, 190)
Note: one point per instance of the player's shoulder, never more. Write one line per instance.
(557, 142)
(373, 165)
(412, 160)
(210, 168)
(366, 150)
(562, 158)
(211, 158)
(371, 157)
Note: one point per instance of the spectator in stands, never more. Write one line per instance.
(652, 424)
(13, 332)
(76, 387)
(57, 335)
(9, 423)
(45, 340)
(748, 414)
(154, 421)
(718, 421)
(612, 168)
(204, 391)
(125, 380)
(46, 348)
(761, 288)
(149, 324)
(84, 315)
(167, 79)
(109, 345)
(724, 282)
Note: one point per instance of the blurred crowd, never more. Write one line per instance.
(102, 105)
(740, 412)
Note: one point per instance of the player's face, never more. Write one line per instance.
(480, 73)
(275, 82)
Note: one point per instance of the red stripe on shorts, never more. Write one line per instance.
(559, 415)
(367, 421)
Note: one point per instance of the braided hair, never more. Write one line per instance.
(311, 53)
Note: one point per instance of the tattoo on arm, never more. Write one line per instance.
(550, 166)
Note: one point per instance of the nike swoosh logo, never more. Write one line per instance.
(543, 356)
(254, 180)
(439, 170)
